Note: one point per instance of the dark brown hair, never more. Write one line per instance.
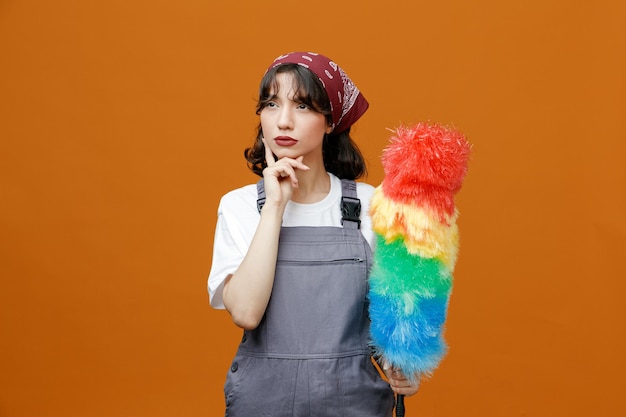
(341, 155)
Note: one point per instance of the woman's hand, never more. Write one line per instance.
(400, 384)
(247, 291)
(280, 177)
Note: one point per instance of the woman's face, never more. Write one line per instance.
(292, 129)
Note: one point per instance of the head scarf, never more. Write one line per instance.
(347, 104)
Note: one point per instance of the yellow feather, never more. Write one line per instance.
(423, 232)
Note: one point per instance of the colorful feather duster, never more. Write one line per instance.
(414, 218)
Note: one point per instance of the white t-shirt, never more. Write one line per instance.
(238, 217)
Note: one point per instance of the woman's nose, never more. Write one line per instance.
(285, 119)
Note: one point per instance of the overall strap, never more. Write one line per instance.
(260, 192)
(350, 203)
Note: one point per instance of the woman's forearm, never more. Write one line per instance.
(247, 291)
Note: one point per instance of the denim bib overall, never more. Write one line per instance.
(309, 356)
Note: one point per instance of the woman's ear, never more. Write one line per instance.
(330, 128)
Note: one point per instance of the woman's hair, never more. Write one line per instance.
(341, 155)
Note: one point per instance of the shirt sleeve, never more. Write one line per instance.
(237, 218)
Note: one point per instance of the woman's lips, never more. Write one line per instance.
(285, 141)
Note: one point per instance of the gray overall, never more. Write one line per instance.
(309, 356)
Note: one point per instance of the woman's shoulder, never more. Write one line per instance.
(365, 187)
(240, 199)
(364, 190)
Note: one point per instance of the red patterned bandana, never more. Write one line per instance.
(346, 101)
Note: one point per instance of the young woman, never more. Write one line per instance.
(292, 254)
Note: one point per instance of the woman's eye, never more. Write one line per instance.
(270, 104)
(303, 106)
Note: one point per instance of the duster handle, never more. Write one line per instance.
(399, 405)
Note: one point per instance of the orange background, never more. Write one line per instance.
(123, 122)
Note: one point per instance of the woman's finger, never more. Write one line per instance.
(285, 170)
(300, 165)
(282, 170)
(269, 156)
(405, 386)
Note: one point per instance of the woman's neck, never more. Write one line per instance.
(313, 186)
